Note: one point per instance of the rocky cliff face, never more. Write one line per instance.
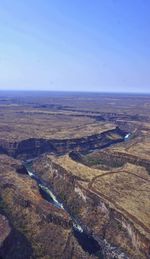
(13, 243)
(110, 159)
(4, 229)
(30, 227)
(34, 147)
(120, 234)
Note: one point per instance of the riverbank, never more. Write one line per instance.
(103, 210)
(86, 241)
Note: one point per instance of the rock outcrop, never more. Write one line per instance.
(34, 147)
(109, 158)
(4, 229)
(31, 227)
(115, 220)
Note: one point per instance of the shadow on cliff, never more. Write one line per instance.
(16, 246)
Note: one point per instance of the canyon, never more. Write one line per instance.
(74, 181)
(34, 147)
(108, 218)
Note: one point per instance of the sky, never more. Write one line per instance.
(75, 45)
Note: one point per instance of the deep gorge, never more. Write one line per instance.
(31, 148)
(63, 186)
(86, 241)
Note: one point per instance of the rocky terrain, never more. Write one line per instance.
(30, 227)
(105, 203)
(92, 154)
(31, 148)
(106, 159)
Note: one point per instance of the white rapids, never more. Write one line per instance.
(47, 190)
(78, 227)
(127, 136)
(44, 188)
(30, 173)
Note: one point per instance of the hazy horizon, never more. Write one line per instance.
(72, 92)
(74, 46)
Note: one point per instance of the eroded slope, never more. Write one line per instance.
(114, 206)
(42, 230)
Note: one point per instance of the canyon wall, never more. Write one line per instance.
(34, 147)
(109, 159)
(119, 158)
(118, 233)
(31, 227)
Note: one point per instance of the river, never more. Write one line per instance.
(86, 241)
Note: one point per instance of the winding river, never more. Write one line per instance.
(86, 241)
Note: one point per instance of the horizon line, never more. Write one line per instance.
(72, 91)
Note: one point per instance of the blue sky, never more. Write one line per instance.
(78, 45)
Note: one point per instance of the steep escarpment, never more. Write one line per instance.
(106, 158)
(103, 204)
(4, 229)
(30, 226)
(13, 243)
(34, 147)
